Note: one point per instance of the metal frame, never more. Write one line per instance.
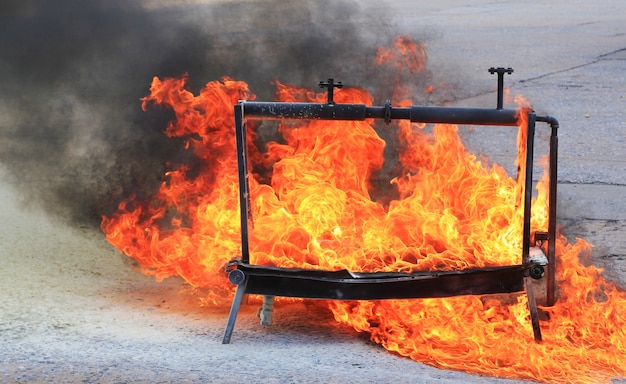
(346, 285)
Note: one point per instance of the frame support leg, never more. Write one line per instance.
(234, 309)
(532, 306)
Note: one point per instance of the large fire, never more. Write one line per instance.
(313, 207)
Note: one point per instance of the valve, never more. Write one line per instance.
(236, 276)
(536, 271)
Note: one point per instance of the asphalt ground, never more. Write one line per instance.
(73, 310)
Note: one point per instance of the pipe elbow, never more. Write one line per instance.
(554, 123)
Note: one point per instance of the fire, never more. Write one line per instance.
(313, 207)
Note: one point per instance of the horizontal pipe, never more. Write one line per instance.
(451, 115)
(314, 111)
(308, 111)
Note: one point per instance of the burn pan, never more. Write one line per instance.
(346, 285)
(272, 281)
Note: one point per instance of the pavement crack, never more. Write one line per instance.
(531, 79)
(604, 56)
(599, 183)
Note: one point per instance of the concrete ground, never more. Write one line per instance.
(73, 310)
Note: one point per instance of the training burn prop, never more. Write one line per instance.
(344, 284)
(383, 214)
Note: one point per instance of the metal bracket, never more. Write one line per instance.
(500, 71)
(331, 85)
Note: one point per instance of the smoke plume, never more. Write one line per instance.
(72, 134)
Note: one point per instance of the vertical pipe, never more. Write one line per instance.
(551, 277)
(500, 104)
(244, 188)
(528, 185)
(500, 72)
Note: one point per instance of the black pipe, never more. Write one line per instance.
(244, 186)
(554, 144)
(444, 115)
(308, 111)
(464, 116)
(551, 120)
(528, 185)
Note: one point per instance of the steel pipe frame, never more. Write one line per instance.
(444, 115)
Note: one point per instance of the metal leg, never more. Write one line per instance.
(234, 309)
(532, 306)
(266, 312)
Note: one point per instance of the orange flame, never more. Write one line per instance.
(451, 211)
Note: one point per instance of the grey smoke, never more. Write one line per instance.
(73, 138)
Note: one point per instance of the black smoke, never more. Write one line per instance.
(72, 135)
